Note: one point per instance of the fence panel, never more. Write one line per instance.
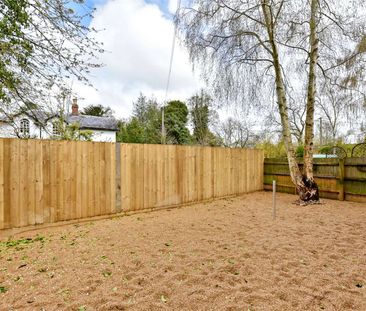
(336, 178)
(155, 176)
(44, 181)
(47, 181)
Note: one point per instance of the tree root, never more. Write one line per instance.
(310, 202)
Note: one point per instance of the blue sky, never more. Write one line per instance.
(137, 36)
(162, 4)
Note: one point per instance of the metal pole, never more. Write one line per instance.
(274, 200)
(162, 126)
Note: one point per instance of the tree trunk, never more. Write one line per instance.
(311, 192)
(307, 189)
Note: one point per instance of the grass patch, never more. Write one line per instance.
(21, 242)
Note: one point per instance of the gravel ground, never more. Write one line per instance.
(225, 255)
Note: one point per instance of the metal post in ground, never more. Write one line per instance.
(274, 200)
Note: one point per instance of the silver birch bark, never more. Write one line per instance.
(295, 172)
(310, 104)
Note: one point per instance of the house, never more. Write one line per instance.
(38, 124)
(34, 123)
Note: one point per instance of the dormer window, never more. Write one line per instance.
(24, 127)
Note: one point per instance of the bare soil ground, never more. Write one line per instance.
(224, 255)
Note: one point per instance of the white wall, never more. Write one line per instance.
(7, 131)
(104, 136)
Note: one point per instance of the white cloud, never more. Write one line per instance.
(172, 6)
(138, 39)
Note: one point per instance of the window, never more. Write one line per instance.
(55, 129)
(24, 127)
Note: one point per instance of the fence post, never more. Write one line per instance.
(118, 178)
(340, 180)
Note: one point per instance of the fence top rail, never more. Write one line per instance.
(328, 161)
(190, 146)
(55, 141)
(121, 143)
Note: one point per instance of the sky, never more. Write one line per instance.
(137, 37)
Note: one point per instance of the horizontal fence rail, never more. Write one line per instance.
(49, 181)
(342, 179)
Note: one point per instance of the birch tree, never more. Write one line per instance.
(43, 45)
(236, 133)
(246, 48)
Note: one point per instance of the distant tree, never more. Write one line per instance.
(147, 112)
(296, 113)
(236, 133)
(272, 150)
(176, 119)
(97, 110)
(131, 132)
(337, 105)
(202, 115)
(145, 124)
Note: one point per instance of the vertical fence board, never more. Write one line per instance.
(15, 216)
(78, 180)
(53, 181)
(160, 171)
(112, 189)
(91, 192)
(181, 176)
(96, 169)
(102, 179)
(7, 185)
(38, 161)
(46, 191)
(118, 195)
(173, 176)
(29, 157)
(145, 178)
(67, 181)
(25, 208)
(125, 177)
(84, 195)
(60, 181)
(133, 180)
(109, 177)
(2, 199)
(73, 181)
(139, 176)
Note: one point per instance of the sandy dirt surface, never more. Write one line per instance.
(224, 255)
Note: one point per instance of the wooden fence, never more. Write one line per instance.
(342, 179)
(49, 181)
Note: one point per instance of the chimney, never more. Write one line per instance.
(75, 107)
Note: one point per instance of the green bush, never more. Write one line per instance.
(272, 150)
(300, 151)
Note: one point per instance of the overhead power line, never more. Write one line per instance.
(163, 133)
